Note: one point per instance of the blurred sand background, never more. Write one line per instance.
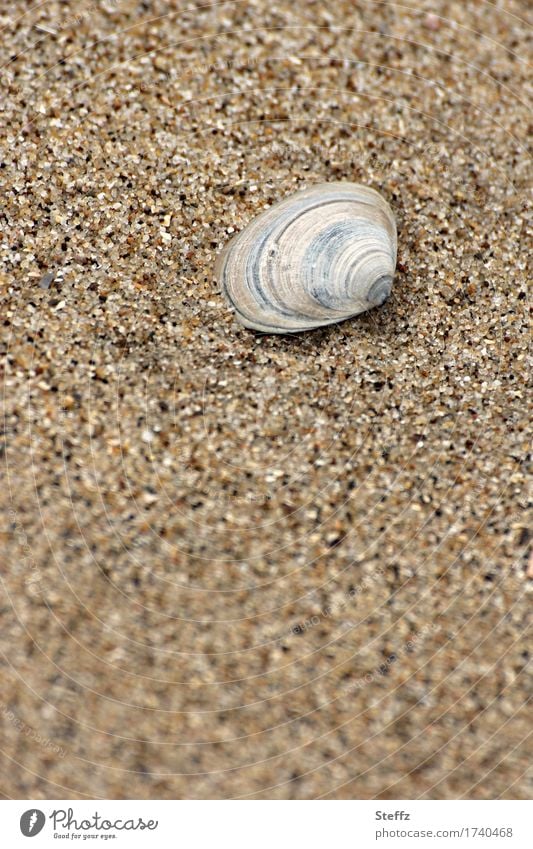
(246, 566)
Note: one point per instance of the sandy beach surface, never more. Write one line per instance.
(237, 565)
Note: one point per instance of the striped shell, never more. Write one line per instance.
(317, 257)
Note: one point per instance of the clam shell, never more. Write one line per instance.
(317, 257)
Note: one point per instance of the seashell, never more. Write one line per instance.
(317, 257)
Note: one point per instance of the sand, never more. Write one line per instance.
(237, 565)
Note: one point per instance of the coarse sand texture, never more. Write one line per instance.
(247, 565)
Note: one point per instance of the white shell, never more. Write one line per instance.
(317, 257)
